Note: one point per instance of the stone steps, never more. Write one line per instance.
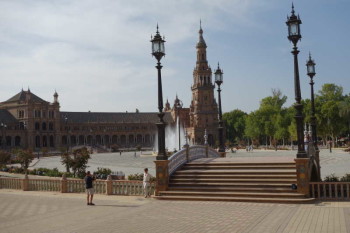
(232, 194)
(221, 180)
(230, 181)
(245, 185)
(236, 172)
(242, 167)
(233, 189)
(233, 176)
(238, 199)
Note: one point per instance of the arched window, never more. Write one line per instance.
(44, 141)
(52, 142)
(50, 126)
(37, 141)
(17, 141)
(44, 126)
(37, 126)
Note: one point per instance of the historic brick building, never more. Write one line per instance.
(28, 121)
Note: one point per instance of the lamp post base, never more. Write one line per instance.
(162, 155)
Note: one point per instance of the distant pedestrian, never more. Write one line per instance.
(120, 152)
(146, 183)
(89, 187)
(135, 154)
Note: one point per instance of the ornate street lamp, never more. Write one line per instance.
(219, 80)
(3, 127)
(158, 51)
(68, 139)
(311, 73)
(293, 23)
(178, 106)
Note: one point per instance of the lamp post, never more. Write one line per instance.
(178, 106)
(310, 65)
(3, 127)
(158, 51)
(293, 23)
(311, 71)
(219, 80)
(66, 123)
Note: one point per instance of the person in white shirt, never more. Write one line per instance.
(146, 183)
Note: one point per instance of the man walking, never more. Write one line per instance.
(146, 183)
(89, 187)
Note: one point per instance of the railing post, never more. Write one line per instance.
(25, 183)
(187, 147)
(303, 179)
(109, 184)
(64, 184)
(162, 175)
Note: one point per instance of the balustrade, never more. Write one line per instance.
(119, 187)
(44, 185)
(129, 187)
(10, 183)
(330, 190)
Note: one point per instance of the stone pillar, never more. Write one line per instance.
(302, 167)
(25, 183)
(162, 175)
(109, 185)
(64, 185)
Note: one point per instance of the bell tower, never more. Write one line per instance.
(203, 109)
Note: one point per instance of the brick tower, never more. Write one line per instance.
(203, 109)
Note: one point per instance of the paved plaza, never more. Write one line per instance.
(59, 213)
(337, 162)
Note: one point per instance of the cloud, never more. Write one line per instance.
(97, 53)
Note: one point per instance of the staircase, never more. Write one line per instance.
(235, 181)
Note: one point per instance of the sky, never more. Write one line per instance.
(97, 54)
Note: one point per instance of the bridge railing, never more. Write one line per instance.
(188, 154)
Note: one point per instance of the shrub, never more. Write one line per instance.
(102, 173)
(139, 176)
(331, 178)
(345, 178)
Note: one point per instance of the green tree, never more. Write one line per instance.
(5, 158)
(79, 162)
(330, 123)
(25, 157)
(235, 125)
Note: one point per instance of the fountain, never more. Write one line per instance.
(172, 136)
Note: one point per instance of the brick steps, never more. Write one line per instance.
(233, 189)
(236, 172)
(221, 180)
(233, 176)
(243, 167)
(231, 194)
(230, 181)
(245, 185)
(237, 199)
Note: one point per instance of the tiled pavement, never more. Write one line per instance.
(55, 212)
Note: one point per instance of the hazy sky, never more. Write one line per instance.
(97, 54)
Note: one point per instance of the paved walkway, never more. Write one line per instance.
(55, 212)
